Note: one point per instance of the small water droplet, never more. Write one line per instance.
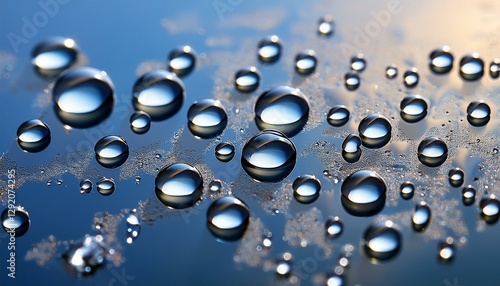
(495, 68)
(59, 182)
(269, 49)
(306, 188)
(407, 190)
(16, 221)
(111, 151)
(334, 227)
(179, 186)
(215, 185)
(54, 55)
(441, 60)
(49, 183)
(227, 218)
(326, 26)
(490, 208)
(421, 217)
(363, 193)
(468, 195)
(413, 108)
(375, 131)
(133, 227)
(382, 241)
(284, 264)
(85, 186)
(446, 250)
(335, 279)
(456, 177)
(351, 151)
(207, 118)
(247, 79)
(305, 62)
(411, 78)
(181, 61)
(432, 152)
(471, 67)
(33, 136)
(358, 63)
(351, 81)
(391, 72)
(140, 122)
(105, 186)
(87, 256)
(137, 180)
(478, 113)
(224, 151)
(338, 115)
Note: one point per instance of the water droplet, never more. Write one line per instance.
(305, 62)
(207, 118)
(490, 208)
(326, 26)
(111, 151)
(227, 218)
(338, 115)
(351, 81)
(83, 97)
(334, 227)
(358, 63)
(85, 186)
(247, 79)
(471, 67)
(306, 188)
(382, 241)
(54, 55)
(432, 152)
(140, 122)
(158, 93)
(284, 264)
(224, 151)
(407, 190)
(269, 49)
(413, 108)
(269, 156)
(495, 68)
(446, 250)
(374, 131)
(283, 108)
(179, 186)
(105, 186)
(335, 280)
(410, 78)
(478, 113)
(421, 217)
(456, 177)
(363, 193)
(87, 256)
(49, 183)
(133, 227)
(468, 195)
(351, 151)
(181, 61)
(391, 72)
(215, 185)
(15, 221)
(33, 136)
(137, 180)
(441, 60)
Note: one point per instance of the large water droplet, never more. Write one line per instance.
(87, 256)
(283, 108)
(495, 68)
(351, 151)
(133, 226)
(247, 79)
(181, 61)
(338, 115)
(269, 49)
(326, 26)
(441, 60)
(478, 113)
(421, 217)
(33, 135)
(158, 93)
(410, 78)
(490, 208)
(358, 63)
(227, 218)
(207, 118)
(382, 241)
(224, 151)
(363, 193)
(432, 152)
(86, 186)
(105, 186)
(140, 122)
(471, 67)
(374, 131)
(15, 221)
(306, 188)
(269, 156)
(391, 72)
(54, 55)
(111, 151)
(413, 108)
(179, 186)
(334, 227)
(407, 190)
(468, 195)
(351, 81)
(83, 97)
(446, 250)
(305, 62)
(456, 177)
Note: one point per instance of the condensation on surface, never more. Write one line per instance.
(43, 251)
(250, 250)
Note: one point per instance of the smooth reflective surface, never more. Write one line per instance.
(478, 113)
(269, 49)
(227, 218)
(413, 108)
(140, 122)
(456, 177)
(247, 79)
(111, 151)
(351, 148)
(432, 151)
(363, 193)
(375, 131)
(411, 78)
(86, 186)
(207, 118)
(441, 60)
(351, 81)
(421, 217)
(224, 151)
(182, 60)
(338, 115)
(468, 195)
(306, 188)
(179, 186)
(305, 62)
(406, 190)
(33, 136)
(54, 55)
(358, 63)
(106, 186)
(490, 208)
(471, 67)
(382, 241)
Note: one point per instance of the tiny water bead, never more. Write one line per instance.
(269, 49)
(228, 218)
(334, 279)
(283, 108)
(284, 264)
(87, 256)
(411, 78)
(478, 113)
(495, 68)
(140, 122)
(468, 195)
(441, 60)
(382, 240)
(375, 131)
(358, 63)
(269, 156)
(326, 26)
(351, 148)
(490, 208)
(456, 177)
(111, 151)
(105, 186)
(83, 97)
(247, 79)
(207, 118)
(471, 67)
(391, 72)
(432, 152)
(54, 55)
(215, 185)
(421, 217)
(446, 250)
(363, 193)
(334, 227)
(133, 226)
(33, 136)
(86, 186)
(306, 188)
(413, 108)
(338, 116)
(179, 186)
(182, 61)
(159, 93)
(351, 81)
(224, 151)
(15, 221)
(305, 62)
(406, 190)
